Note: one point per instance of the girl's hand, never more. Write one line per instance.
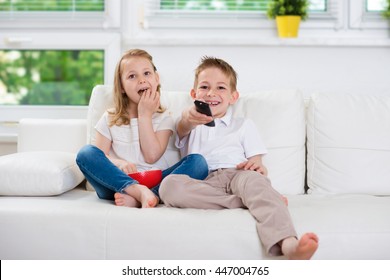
(149, 102)
(254, 166)
(125, 166)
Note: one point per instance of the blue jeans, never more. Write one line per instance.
(107, 179)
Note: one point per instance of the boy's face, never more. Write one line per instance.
(214, 88)
(138, 75)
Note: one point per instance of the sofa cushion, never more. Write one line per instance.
(349, 144)
(40, 173)
(280, 117)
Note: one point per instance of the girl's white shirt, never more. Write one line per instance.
(125, 139)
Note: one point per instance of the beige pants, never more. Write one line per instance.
(231, 188)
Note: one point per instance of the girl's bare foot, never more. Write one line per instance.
(302, 249)
(142, 194)
(122, 199)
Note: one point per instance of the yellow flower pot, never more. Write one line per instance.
(288, 26)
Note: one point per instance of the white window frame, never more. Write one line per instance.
(359, 18)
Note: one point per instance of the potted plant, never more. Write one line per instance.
(386, 12)
(288, 15)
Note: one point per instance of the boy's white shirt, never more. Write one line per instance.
(125, 139)
(230, 142)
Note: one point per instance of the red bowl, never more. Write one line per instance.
(149, 178)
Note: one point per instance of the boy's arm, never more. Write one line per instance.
(254, 163)
(190, 118)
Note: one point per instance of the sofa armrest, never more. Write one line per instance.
(66, 135)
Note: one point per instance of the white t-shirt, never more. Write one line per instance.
(230, 142)
(125, 139)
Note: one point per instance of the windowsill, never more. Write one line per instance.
(277, 42)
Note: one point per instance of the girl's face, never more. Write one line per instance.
(138, 76)
(214, 88)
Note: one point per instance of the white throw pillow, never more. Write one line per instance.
(348, 142)
(42, 173)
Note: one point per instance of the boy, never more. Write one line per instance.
(233, 150)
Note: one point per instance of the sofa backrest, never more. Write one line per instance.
(279, 116)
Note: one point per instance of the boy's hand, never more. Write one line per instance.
(254, 166)
(197, 118)
(194, 118)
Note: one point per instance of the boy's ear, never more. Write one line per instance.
(193, 94)
(235, 96)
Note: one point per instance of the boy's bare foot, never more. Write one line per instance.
(122, 199)
(302, 249)
(142, 194)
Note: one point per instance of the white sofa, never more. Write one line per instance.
(330, 157)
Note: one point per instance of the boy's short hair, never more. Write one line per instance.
(226, 68)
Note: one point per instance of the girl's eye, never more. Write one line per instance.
(221, 88)
(147, 73)
(131, 76)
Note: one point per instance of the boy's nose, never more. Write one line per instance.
(210, 93)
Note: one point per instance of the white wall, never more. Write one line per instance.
(340, 69)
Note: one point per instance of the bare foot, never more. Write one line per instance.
(285, 200)
(142, 194)
(122, 199)
(305, 248)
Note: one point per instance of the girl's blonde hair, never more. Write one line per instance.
(211, 62)
(121, 101)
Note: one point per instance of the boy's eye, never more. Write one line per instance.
(221, 88)
(203, 87)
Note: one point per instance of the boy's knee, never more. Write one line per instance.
(170, 189)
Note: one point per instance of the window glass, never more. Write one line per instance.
(375, 5)
(51, 5)
(49, 77)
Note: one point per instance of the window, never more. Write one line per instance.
(52, 53)
(227, 14)
(366, 14)
(60, 13)
(49, 77)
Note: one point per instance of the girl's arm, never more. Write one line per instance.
(254, 163)
(153, 144)
(104, 144)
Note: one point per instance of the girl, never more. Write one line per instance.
(133, 137)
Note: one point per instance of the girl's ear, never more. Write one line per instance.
(193, 94)
(234, 97)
